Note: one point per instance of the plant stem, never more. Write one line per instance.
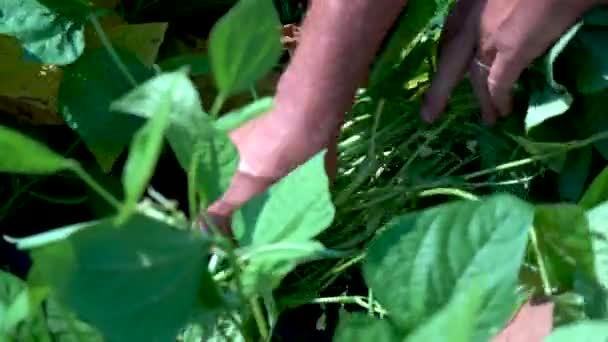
(541, 263)
(217, 104)
(96, 187)
(108, 45)
(449, 191)
(260, 321)
(254, 93)
(568, 146)
(192, 186)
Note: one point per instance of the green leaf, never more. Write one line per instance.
(591, 46)
(416, 16)
(564, 237)
(597, 192)
(425, 258)
(295, 209)
(598, 224)
(574, 175)
(49, 36)
(49, 236)
(244, 45)
(454, 323)
(20, 312)
(190, 131)
(595, 118)
(22, 154)
(217, 158)
(580, 331)
(359, 327)
(148, 141)
(64, 326)
(267, 265)
(88, 88)
(597, 16)
(146, 273)
(77, 9)
(555, 51)
(198, 63)
(237, 118)
(553, 99)
(545, 104)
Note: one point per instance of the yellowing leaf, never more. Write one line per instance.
(29, 90)
(142, 40)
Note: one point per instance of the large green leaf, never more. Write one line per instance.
(597, 192)
(156, 98)
(198, 64)
(217, 157)
(136, 282)
(423, 259)
(295, 209)
(244, 45)
(21, 154)
(565, 239)
(591, 46)
(454, 323)
(276, 228)
(191, 131)
(47, 35)
(580, 331)
(88, 88)
(21, 317)
(64, 326)
(359, 327)
(267, 265)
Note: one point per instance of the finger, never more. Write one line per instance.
(505, 71)
(243, 187)
(478, 75)
(454, 22)
(453, 63)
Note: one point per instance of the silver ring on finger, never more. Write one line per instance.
(482, 65)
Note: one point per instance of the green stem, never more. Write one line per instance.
(192, 186)
(254, 92)
(544, 276)
(108, 197)
(108, 45)
(449, 191)
(258, 316)
(241, 328)
(217, 105)
(568, 146)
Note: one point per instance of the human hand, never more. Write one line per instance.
(312, 96)
(495, 40)
(269, 148)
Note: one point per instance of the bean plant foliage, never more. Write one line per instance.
(148, 272)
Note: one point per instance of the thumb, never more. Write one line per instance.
(243, 187)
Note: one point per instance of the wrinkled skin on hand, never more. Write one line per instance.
(495, 40)
(313, 94)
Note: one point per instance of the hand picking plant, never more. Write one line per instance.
(149, 273)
